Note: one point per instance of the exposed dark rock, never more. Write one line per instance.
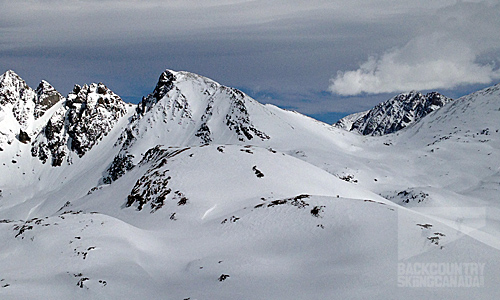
(258, 173)
(121, 164)
(394, 114)
(317, 210)
(24, 137)
(81, 282)
(238, 118)
(295, 201)
(47, 96)
(15, 91)
(164, 85)
(81, 123)
(204, 134)
(223, 277)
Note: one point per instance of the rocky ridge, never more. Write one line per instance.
(394, 114)
(89, 113)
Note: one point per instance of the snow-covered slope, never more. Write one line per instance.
(394, 114)
(462, 142)
(200, 192)
(347, 121)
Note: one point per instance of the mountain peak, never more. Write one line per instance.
(163, 86)
(165, 83)
(10, 74)
(10, 80)
(11, 85)
(47, 96)
(14, 91)
(196, 108)
(207, 186)
(394, 114)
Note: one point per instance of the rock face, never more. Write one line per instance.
(238, 119)
(52, 141)
(394, 114)
(47, 96)
(21, 108)
(164, 85)
(89, 113)
(152, 189)
(92, 112)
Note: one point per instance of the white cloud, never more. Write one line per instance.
(443, 56)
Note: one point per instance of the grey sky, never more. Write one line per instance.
(318, 57)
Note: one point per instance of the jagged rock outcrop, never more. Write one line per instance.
(21, 107)
(394, 114)
(153, 187)
(47, 96)
(93, 111)
(52, 141)
(120, 165)
(17, 96)
(24, 137)
(89, 113)
(238, 119)
(164, 85)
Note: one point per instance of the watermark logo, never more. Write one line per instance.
(433, 228)
(424, 232)
(441, 275)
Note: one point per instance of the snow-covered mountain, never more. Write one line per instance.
(200, 192)
(394, 114)
(188, 109)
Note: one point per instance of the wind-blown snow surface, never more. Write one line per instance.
(200, 192)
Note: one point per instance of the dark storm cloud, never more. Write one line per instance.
(287, 49)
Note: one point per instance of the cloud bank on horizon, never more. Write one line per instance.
(445, 55)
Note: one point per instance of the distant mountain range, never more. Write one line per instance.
(201, 192)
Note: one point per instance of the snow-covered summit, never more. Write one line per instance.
(17, 97)
(394, 114)
(189, 109)
(473, 110)
(12, 88)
